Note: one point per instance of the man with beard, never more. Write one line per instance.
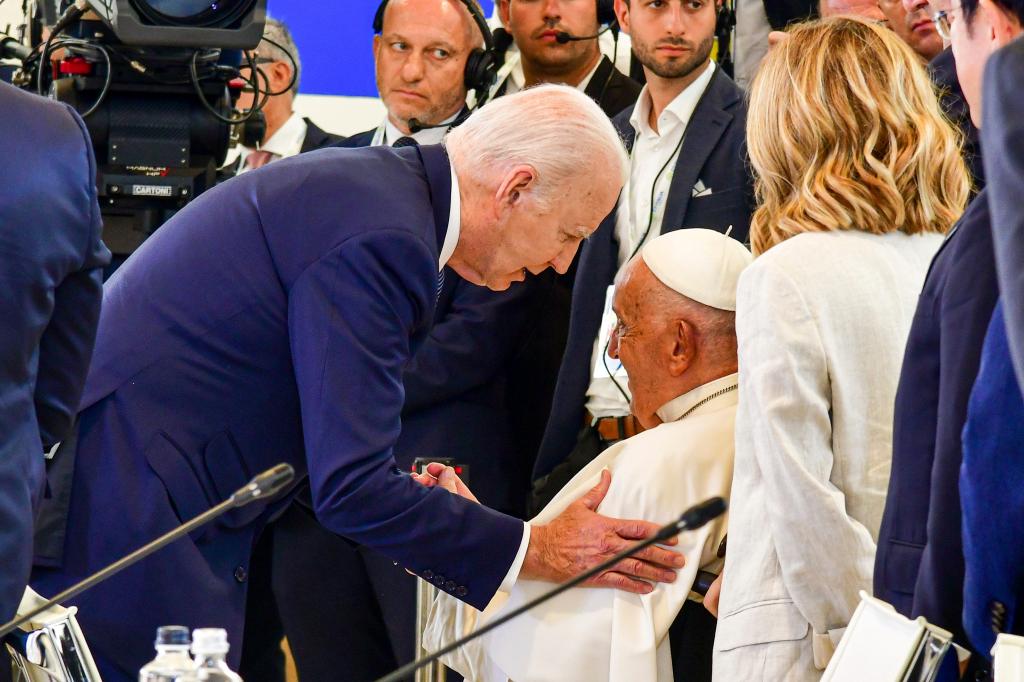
(688, 169)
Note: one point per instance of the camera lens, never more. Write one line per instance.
(217, 13)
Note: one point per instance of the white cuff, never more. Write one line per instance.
(517, 564)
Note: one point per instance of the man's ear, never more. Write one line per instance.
(1005, 27)
(504, 7)
(281, 76)
(684, 347)
(622, 14)
(517, 181)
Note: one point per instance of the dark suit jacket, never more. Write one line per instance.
(951, 96)
(532, 382)
(455, 402)
(782, 13)
(919, 564)
(1003, 136)
(714, 152)
(227, 345)
(316, 138)
(992, 494)
(51, 259)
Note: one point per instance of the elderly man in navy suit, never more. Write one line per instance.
(227, 345)
(455, 401)
(50, 269)
(919, 566)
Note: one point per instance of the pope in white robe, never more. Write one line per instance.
(675, 306)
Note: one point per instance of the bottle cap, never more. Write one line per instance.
(172, 635)
(209, 641)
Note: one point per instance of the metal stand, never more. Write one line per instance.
(436, 671)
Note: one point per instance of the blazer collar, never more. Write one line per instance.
(439, 183)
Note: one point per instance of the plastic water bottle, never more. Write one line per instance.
(172, 661)
(210, 646)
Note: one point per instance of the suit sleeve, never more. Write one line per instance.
(65, 347)
(468, 346)
(786, 385)
(351, 317)
(1002, 133)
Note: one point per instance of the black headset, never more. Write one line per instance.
(480, 64)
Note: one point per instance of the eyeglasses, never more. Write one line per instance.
(943, 22)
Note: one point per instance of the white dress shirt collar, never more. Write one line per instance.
(678, 111)
(721, 392)
(288, 139)
(451, 237)
(388, 133)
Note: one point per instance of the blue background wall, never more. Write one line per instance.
(335, 39)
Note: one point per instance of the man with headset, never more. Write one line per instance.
(428, 54)
(687, 140)
(557, 42)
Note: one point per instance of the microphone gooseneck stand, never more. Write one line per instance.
(691, 519)
(263, 486)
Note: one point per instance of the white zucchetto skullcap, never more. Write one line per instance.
(700, 264)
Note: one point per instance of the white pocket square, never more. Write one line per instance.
(699, 190)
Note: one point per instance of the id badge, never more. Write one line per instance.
(608, 366)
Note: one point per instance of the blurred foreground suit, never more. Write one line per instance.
(455, 406)
(1003, 137)
(919, 566)
(227, 345)
(992, 494)
(51, 258)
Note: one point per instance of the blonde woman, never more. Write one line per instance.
(858, 177)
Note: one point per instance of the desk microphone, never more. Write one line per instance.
(691, 519)
(263, 487)
(563, 37)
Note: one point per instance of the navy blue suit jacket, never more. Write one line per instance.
(992, 495)
(1002, 135)
(714, 151)
(51, 259)
(919, 564)
(226, 345)
(456, 403)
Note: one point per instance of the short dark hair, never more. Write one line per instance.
(1014, 8)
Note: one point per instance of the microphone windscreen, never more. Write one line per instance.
(562, 37)
(699, 514)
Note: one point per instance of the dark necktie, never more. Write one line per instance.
(405, 142)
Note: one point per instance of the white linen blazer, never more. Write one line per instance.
(594, 634)
(822, 321)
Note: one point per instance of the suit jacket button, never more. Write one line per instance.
(241, 575)
(450, 586)
(461, 591)
(427, 575)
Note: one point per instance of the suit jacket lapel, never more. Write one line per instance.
(439, 182)
(709, 121)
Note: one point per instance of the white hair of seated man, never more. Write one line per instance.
(561, 132)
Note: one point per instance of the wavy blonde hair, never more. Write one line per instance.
(845, 133)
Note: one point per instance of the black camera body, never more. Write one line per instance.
(227, 24)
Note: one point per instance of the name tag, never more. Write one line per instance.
(608, 366)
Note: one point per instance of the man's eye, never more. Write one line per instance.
(399, 46)
(441, 54)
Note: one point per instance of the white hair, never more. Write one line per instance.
(556, 129)
(278, 31)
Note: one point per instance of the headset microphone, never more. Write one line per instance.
(415, 126)
(563, 37)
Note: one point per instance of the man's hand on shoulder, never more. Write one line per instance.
(580, 538)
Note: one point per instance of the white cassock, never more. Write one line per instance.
(594, 634)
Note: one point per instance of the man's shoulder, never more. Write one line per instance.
(363, 139)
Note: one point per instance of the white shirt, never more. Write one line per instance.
(388, 133)
(595, 635)
(822, 320)
(652, 165)
(286, 141)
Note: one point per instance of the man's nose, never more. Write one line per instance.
(674, 21)
(552, 10)
(563, 260)
(412, 68)
(915, 5)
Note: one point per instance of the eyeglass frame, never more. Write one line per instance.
(943, 25)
